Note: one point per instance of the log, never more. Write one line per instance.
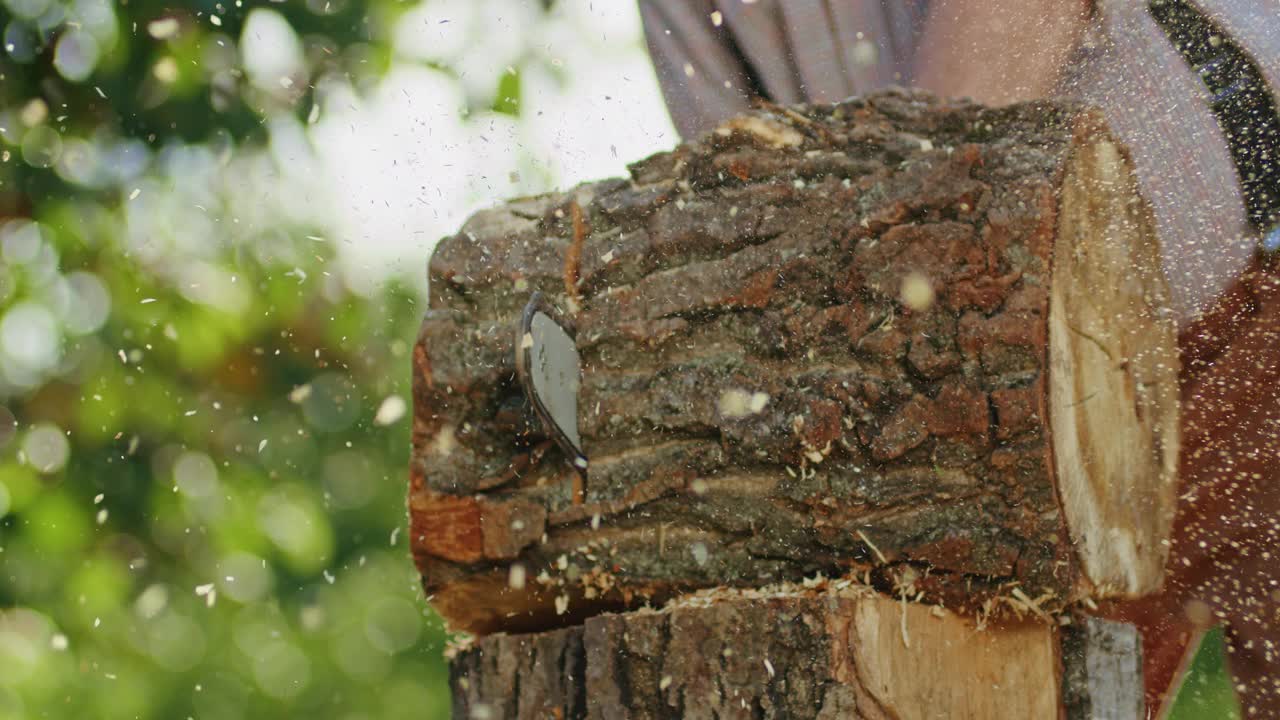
(841, 652)
(916, 338)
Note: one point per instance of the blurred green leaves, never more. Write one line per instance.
(203, 493)
(507, 98)
(82, 76)
(202, 428)
(1206, 691)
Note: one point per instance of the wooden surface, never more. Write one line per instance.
(1223, 562)
(813, 341)
(839, 651)
(1123, 63)
(1113, 393)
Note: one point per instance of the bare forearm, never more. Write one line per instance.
(998, 51)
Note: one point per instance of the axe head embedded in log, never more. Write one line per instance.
(550, 372)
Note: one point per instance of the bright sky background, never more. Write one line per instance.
(401, 169)
(380, 175)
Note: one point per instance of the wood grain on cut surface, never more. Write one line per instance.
(802, 654)
(1114, 394)
(815, 340)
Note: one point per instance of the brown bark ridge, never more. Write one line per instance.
(920, 338)
(845, 651)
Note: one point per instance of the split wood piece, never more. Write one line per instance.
(921, 337)
(826, 655)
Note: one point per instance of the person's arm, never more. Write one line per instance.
(713, 57)
(999, 51)
(703, 78)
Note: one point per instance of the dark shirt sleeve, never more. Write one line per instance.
(713, 56)
(703, 78)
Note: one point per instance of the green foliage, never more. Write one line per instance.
(507, 99)
(202, 477)
(1206, 692)
(220, 534)
(80, 77)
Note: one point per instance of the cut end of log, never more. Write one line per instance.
(1113, 378)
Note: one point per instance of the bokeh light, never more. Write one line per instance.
(47, 448)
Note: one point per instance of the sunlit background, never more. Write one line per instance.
(214, 225)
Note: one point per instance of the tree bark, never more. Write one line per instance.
(845, 651)
(922, 340)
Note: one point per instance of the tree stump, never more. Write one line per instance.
(918, 340)
(843, 651)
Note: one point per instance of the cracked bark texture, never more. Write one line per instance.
(826, 654)
(815, 340)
